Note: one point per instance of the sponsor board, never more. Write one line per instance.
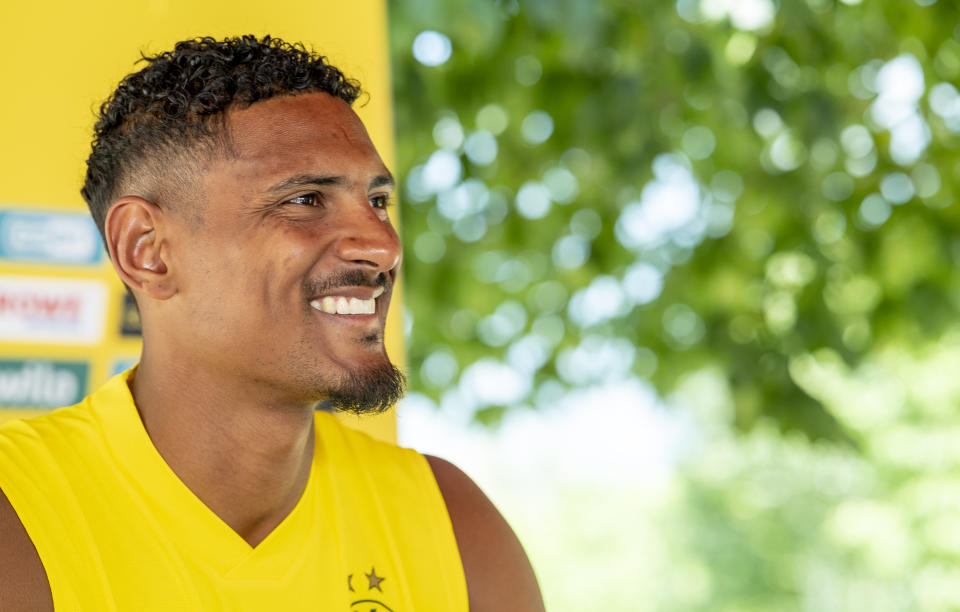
(38, 383)
(49, 237)
(51, 310)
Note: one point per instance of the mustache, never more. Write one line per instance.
(344, 278)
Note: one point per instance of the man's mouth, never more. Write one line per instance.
(347, 304)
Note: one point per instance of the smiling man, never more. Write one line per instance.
(244, 206)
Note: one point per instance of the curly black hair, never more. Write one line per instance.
(162, 120)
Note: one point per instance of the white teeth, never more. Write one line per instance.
(377, 292)
(344, 305)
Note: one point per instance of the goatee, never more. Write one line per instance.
(370, 391)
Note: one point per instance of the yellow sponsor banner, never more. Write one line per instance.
(65, 325)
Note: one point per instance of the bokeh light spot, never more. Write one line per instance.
(549, 327)
(926, 179)
(874, 211)
(467, 198)
(600, 301)
(448, 133)
(439, 368)
(493, 383)
(562, 184)
(596, 359)
(537, 127)
(837, 186)
(667, 204)
(682, 325)
(856, 140)
(570, 252)
(743, 14)
(897, 188)
(529, 353)
(719, 219)
(429, 247)
(780, 312)
(740, 48)
(442, 171)
(586, 222)
(823, 154)
(643, 282)
(481, 148)
(527, 70)
(790, 269)
(699, 142)
(829, 226)
(786, 152)
(767, 122)
(726, 186)
(432, 48)
(486, 265)
(549, 296)
(533, 200)
(470, 228)
(493, 119)
(507, 321)
(900, 85)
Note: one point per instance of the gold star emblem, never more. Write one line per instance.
(374, 580)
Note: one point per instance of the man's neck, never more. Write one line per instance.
(246, 460)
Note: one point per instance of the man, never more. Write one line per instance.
(244, 206)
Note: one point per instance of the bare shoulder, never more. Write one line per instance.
(499, 574)
(24, 585)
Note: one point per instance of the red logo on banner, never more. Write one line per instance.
(40, 305)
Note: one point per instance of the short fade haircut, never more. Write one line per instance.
(164, 120)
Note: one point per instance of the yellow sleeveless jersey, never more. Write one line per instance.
(117, 530)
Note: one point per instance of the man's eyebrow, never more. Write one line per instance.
(382, 181)
(308, 180)
(313, 180)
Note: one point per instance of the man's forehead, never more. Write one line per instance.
(288, 122)
(299, 135)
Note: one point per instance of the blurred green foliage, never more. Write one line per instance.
(602, 188)
(762, 521)
(761, 223)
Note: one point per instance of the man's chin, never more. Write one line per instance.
(372, 390)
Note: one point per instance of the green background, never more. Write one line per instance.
(748, 206)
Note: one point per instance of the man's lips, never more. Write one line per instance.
(349, 301)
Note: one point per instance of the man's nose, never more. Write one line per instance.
(369, 241)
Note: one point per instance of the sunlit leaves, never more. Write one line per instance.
(726, 183)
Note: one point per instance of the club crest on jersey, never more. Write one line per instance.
(365, 590)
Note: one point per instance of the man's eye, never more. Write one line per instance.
(382, 201)
(309, 199)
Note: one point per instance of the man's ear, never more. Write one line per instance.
(134, 229)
